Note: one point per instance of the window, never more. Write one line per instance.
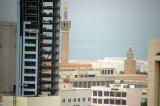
(30, 49)
(46, 64)
(124, 94)
(47, 41)
(46, 79)
(74, 100)
(63, 100)
(123, 102)
(69, 100)
(29, 93)
(94, 93)
(30, 56)
(100, 93)
(98, 83)
(30, 86)
(112, 94)
(94, 83)
(47, 56)
(108, 71)
(29, 71)
(118, 102)
(111, 101)
(30, 41)
(103, 83)
(47, 4)
(79, 99)
(118, 94)
(89, 99)
(29, 78)
(46, 49)
(102, 72)
(106, 101)
(95, 101)
(111, 71)
(47, 26)
(30, 63)
(48, 71)
(83, 99)
(99, 101)
(106, 93)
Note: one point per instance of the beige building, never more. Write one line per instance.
(65, 26)
(138, 80)
(154, 73)
(130, 63)
(31, 101)
(8, 32)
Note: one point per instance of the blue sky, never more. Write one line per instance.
(105, 28)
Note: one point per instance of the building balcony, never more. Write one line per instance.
(47, 30)
(47, 7)
(47, 14)
(46, 82)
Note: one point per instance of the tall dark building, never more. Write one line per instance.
(38, 47)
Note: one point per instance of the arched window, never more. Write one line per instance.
(158, 54)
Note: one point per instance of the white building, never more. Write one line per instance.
(76, 97)
(118, 64)
(115, 96)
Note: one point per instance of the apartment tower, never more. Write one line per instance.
(130, 63)
(65, 26)
(38, 47)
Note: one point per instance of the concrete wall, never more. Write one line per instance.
(75, 94)
(32, 101)
(134, 97)
(7, 56)
(153, 70)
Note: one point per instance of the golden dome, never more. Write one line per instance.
(130, 46)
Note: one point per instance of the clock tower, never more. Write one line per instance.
(130, 63)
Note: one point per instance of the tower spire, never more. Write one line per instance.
(130, 54)
(65, 12)
(65, 27)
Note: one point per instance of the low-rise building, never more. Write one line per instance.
(31, 101)
(76, 97)
(138, 80)
(115, 96)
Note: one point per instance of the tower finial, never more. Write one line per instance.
(65, 11)
(130, 47)
(130, 54)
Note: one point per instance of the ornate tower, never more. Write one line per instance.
(130, 63)
(65, 26)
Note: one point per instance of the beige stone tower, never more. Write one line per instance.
(65, 26)
(130, 63)
(154, 72)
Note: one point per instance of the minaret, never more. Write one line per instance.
(130, 63)
(65, 26)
